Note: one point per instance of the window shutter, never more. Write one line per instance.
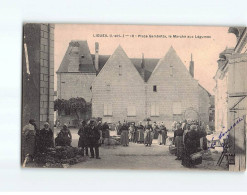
(131, 111)
(109, 109)
(177, 108)
(152, 108)
(105, 109)
(157, 109)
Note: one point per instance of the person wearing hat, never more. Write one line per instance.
(132, 132)
(28, 139)
(162, 134)
(83, 140)
(148, 135)
(94, 137)
(124, 134)
(64, 137)
(45, 138)
(178, 137)
(140, 133)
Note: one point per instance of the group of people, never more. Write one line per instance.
(190, 140)
(91, 135)
(141, 134)
(36, 140)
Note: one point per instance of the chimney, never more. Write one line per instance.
(143, 67)
(192, 67)
(96, 58)
(74, 59)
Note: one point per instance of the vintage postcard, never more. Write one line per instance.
(134, 97)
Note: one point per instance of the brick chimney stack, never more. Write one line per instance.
(192, 67)
(96, 60)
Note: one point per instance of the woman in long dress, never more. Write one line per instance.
(178, 136)
(162, 134)
(124, 135)
(140, 133)
(45, 138)
(132, 132)
(190, 147)
(148, 135)
(64, 137)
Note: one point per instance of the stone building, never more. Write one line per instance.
(38, 74)
(230, 98)
(74, 78)
(133, 89)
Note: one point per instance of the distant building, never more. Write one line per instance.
(133, 89)
(230, 98)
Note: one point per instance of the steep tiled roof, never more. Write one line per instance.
(86, 61)
(150, 64)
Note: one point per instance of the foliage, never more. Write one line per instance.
(73, 105)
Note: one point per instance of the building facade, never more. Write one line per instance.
(230, 104)
(74, 79)
(132, 89)
(123, 92)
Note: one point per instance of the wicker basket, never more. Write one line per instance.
(172, 149)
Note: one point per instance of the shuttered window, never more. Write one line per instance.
(131, 110)
(107, 109)
(177, 108)
(155, 109)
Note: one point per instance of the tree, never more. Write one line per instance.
(77, 106)
(73, 105)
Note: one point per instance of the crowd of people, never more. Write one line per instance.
(189, 138)
(140, 134)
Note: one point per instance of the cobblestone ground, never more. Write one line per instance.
(137, 156)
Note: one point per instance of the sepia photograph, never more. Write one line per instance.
(139, 97)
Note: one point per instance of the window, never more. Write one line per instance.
(107, 109)
(154, 109)
(108, 87)
(171, 70)
(155, 88)
(120, 70)
(177, 108)
(131, 111)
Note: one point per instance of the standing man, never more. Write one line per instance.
(82, 143)
(93, 139)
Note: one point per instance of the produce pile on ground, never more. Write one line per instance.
(60, 156)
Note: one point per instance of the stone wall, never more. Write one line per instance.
(174, 86)
(47, 74)
(120, 85)
(38, 74)
(75, 84)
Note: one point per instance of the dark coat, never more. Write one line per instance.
(83, 140)
(45, 140)
(93, 136)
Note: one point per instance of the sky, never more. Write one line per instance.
(205, 51)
